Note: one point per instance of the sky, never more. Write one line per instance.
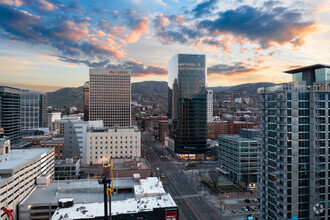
(46, 45)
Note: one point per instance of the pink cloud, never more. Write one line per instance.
(140, 29)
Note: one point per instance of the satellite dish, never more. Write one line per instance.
(318, 208)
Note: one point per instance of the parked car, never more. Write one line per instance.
(253, 208)
(247, 200)
(233, 211)
(255, 200)
(244, 209)
(249, 208)
(162, 175)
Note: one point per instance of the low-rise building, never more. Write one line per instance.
(57, 143)
(149, 201)
(36, 139)
(215, 128)
(129, 166)
(238, 156)
(4, 145)
(162, 130)
(67, 169)
(235, 126)
(115, 142)
(19, 170)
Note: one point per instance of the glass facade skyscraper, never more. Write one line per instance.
(33, 109)
(10, 113)
(294, 154)
(187, 103)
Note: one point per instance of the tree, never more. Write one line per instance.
(214, 178)
(246, 178)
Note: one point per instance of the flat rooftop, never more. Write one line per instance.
(301, 69)
(148, 195)
(54, 140)
(134, 205)
(83, 191)
(119, 164)
(236, 137)
(18, 157)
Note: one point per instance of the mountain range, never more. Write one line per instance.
(74, 96)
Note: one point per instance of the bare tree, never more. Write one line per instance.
(214, 178)
(246, 178)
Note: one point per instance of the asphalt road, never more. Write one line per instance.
(192, 205)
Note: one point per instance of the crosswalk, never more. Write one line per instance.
(186, 196)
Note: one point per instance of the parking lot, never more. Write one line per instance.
(233, 208)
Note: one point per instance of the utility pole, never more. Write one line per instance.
(107, 189)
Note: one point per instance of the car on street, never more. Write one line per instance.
(255, 200)
(244, 209)
(247, 200)
(233, 211)
(162, 175)
(253, 208)
(249, 208)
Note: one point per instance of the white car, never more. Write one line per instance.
(244, 209)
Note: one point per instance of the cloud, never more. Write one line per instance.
(204, 8)
(88, 63)
(223, 43)
(279, 25)
(139, 26)
(172, 28)
(69, 37)
(139, 69)
(236, 68)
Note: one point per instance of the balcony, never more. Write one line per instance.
(283, 194)
(282, 186)
(283, 107)
(283, 115)
(262, 100)
(283, 170)
(281, 138)
(282, 146)
(282, 122)
(282, 99)
(282, 130)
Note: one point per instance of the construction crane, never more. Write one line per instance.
(107, 189)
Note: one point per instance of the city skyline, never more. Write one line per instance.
(46, 46)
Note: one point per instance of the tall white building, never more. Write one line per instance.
(294, 153)
(19, 170)
(114, 142)
(209, 106)
(75, 133)
(110, 96)
(53, 116)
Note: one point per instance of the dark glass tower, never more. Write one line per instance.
(10, 113)
(33, 109)
(187, 103)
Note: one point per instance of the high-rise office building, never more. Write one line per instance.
(187, 103)
(294, 175)
(237, 155)
(209, 106)
(110, 96)
(10, 113)
(33, 109)
(86, 101)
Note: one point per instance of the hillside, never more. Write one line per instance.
(148, 88)
(66, 97)
(74, 96)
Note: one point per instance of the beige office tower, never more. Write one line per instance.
(110, 96)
